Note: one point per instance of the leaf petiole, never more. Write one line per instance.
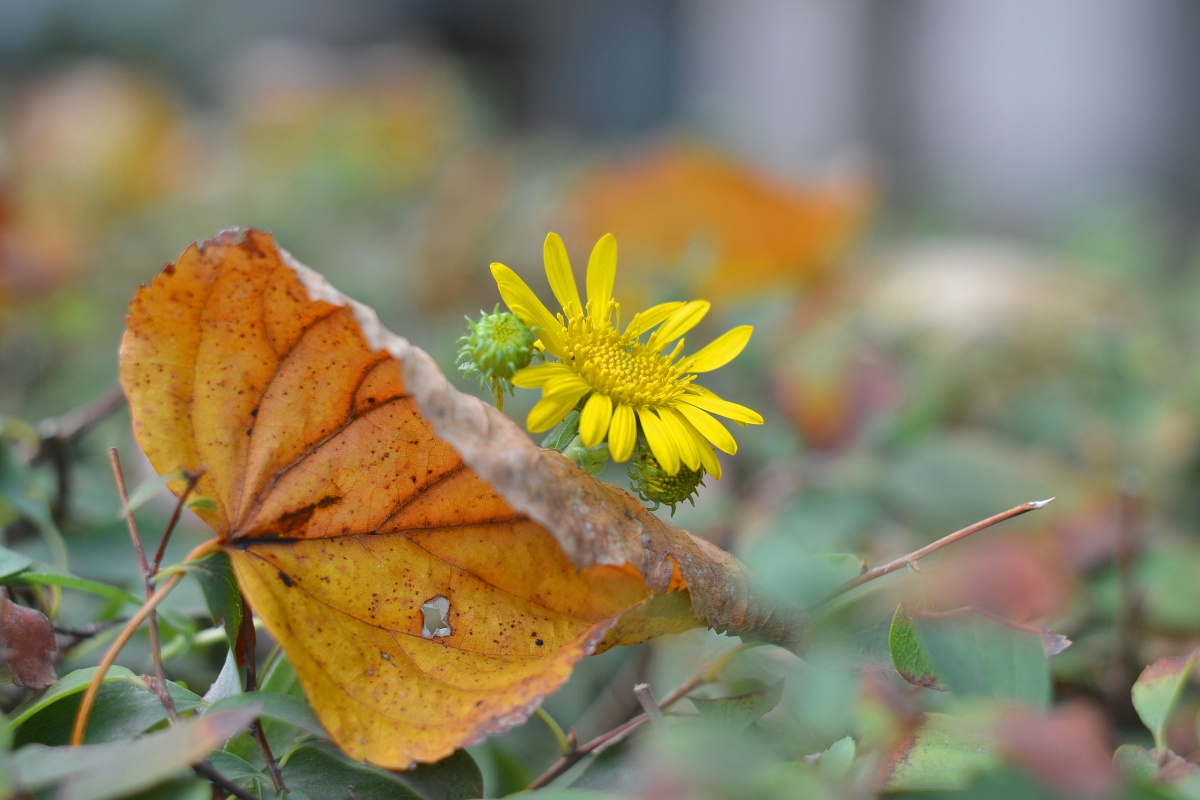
(564, 742)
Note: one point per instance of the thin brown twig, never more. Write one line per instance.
(207, 771)
(159, 685)
(1124, 665)
(57, 434)
(193, 479)
(706, 674)
(912, 558)
(248, 644)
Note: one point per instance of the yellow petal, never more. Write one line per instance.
(539, 375)
(601, 274)
(710, 462)
(708, 459)
(521, 301)
(550, 410)
(622, 433)
(679, 323)
(682, 435)
(709, 428)
(558, 270)
(702, 398)
(719, 351)
(593, 423)
(645, 320)
(661, 444)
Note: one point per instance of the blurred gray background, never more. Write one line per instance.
(1013, 116)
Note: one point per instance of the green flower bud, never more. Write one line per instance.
(495, 349)
(652, 483)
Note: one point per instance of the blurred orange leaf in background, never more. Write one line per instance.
(756, 232)
(430, 572)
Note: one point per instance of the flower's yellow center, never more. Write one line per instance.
(625, 369)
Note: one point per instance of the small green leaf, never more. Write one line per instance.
(202, 504)
(944, 753)
(739, 712)
(102, 771)
(1157, 689)
(320, 770)
(221, 593)
(908, 655)
(275, 706)
(42, 575)
(236, 769)
(974, 654)
(836, 761)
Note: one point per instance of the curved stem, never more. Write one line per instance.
(564, 742)
(89, 697)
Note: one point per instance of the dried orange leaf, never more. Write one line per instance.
(431, 573)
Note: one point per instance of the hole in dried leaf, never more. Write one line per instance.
(435, 612)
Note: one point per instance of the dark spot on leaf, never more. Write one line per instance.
(293, 521)
(539, 642)
(283, 576)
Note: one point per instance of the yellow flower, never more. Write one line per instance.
(627, 383)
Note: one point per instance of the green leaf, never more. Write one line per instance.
(71, 683)
(125, 707)
(228, 681)
(454, 778)
(202, 504)
(320, 770)
(12, 562)
(739, 712)
(944, 753)
(6, 778)
(835, 762)
(43, 575)
(1156, 691)
(221, 593)
(1136, 763)
(908, 655)
(20, 496)
(275, 706)
(976, 655)
(102, 771)
(236, 769)
(178, 789)
(281, 677)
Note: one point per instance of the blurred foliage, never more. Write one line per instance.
(911, 387)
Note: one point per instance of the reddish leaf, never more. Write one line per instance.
(27, 645)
